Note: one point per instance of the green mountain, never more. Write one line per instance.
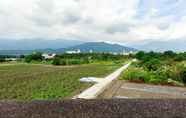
(102, 47)
(85, 47)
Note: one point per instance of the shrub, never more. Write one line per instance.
(136, 74)
(73, 61)
(2, 60)
(28, 59)
(86, 61)
(35, 56)
(169, 54)
(177, 72)
(63, 62)
(153, 64)
(179, 58)
(140, 55)
(183, 75)
(159, 76)
(140, 75)
(56, 61)
(154, 80)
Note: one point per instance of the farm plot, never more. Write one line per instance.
(42, 82)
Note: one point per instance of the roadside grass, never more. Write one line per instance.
(25, 82)
(166, 74)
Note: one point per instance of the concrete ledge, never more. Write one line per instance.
(95, 90)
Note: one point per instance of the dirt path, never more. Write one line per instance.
(122, 89)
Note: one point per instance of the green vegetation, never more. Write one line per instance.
(3, 58)
(167, 68)
(37, 56)
(75, 59)
(47, 82)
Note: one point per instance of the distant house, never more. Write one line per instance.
(11, 59)
(48, 56)
(74, 51)
(90, 51)
(128, 53)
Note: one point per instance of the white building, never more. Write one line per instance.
(48, 56)
(74, 51)
(90, 51)
(128, 53)
(11, 59)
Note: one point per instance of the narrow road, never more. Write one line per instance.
(95, 90)
(126, 90)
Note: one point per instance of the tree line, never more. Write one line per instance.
(72, 59)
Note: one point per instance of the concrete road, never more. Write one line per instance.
(127, 90)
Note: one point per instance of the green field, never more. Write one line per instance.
(47, 82)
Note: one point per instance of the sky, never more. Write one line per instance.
(122, 21)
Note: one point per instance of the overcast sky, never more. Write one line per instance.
(124, 21)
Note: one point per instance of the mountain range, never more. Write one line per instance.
(23, 47)
(32, 44)
(178, 45)
(102, 47)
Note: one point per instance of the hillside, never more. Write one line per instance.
(33, 44)
(101, 47)
(175, 45)
(85, 47)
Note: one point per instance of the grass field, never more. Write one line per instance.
(46, 82)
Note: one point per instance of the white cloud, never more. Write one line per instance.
(124, 21)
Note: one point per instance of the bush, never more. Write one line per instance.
(177, 73)
(56, 61)
(35, 57)
(140, 55)
(159, 68)
(86, 61)
(179, 58)
(2, 60)
(154, 80)
(136, 74)
(153, 64)
(28, 59)
(169, 54)
(73, 62)
(183, 75)
(63, 62)
(159, 76)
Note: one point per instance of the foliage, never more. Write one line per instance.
(56, 61)
(77, 59)
(158, 68)
(177, 73)
(136, 74)
(180, 57)
(28, 58)
(169, 54)
(141, 75)
(46, 82)
(140, 55)
(86, 58)
(152, 65)
(37, 56)
(2, 60)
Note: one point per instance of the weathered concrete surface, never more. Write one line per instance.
(113, 108)
(95, 90)
(125, 90)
